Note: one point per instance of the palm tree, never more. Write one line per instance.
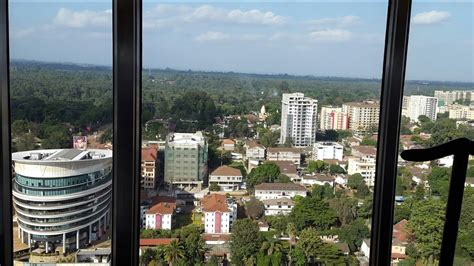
(147, 256)
(173, 252)
(271, 246)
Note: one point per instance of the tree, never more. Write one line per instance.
(439, 181)
(345, 208)
(419, 192)
(317, 252)
(271, 246)
(362, 191)
(283, 179)
(335, 169)
(246, 240)
(254, 208)
(278, 222)
(25, 142)
(314, 212)
(355, 181)
(401, 212)
(147, 256)
(368, 141)
(268, 138)
(426, 226)
(214, 187)
(322, 192)
(354, 233)
(173, 252)
(317, 166)
(266, 172)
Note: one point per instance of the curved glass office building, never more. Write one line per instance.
(62, 198)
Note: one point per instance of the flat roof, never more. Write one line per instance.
(61, 155)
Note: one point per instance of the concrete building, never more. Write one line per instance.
(318, 179)
(281, 206)
(186, 159)
(365, 166)
(363, 116)
(62, 197)
(298, 119)
(96, 256)
(461, 112)
(160, 216)
(284, 154)
(149, 166)
(267, 191)
(327, 151)
(254, 151)
(449, 97)
(228, 144)
(219, 214)
(333, 118)
(416, 105)
(227, 178)
(289, 169)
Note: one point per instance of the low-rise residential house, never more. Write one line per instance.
(254, 151)
(364, 166)
(153, 243)
(284, 154)
(160, 216)
(352, 141)
(341, 180)
(227, 178)
(280, 206)
(365, 248)
(317, 179)
(219, 214)
(267, 191)
(228, 145)
(263, 226)
(469, 182)
(289, 169)
(364, 151)
(327, 151)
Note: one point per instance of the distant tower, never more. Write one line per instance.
(263, 114)
(298, 119)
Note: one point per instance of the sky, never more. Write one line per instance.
(332, 38)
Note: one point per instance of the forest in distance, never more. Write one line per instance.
(55, 100)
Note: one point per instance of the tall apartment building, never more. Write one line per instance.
(149, 167)
(333, 118)
(298, 119)
(416, 105)
(461, 112)
(62, 198)
(219, 213)
(186, 159)
(449, 97)
(363, 116)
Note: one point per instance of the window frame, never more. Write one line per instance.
(127, 65)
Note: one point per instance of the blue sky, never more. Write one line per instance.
(305, 38)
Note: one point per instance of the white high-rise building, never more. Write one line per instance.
(298, 119)
(333, 118)
(449, 97)
(416, 105)
(328, 151)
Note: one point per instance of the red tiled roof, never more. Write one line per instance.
(214, 202)
(286, 167)
(252, 144)
(216, 237)
(398, 256)
(155, 241)
(280, 186)
(227, 141)
(226, 171)
(400, 231)
(162, 208)
(149, 154)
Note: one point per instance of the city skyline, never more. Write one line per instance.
(245, 37)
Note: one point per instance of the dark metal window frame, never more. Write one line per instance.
(127, 97)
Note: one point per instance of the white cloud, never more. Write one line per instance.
(339, 22)
(170, 15)
(84, 18)
(431, 17)
(330, 35)
(212, 36)
(216, 36)
(21, 33)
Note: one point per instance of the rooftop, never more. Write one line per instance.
(286, 167)
(149, 154)
(320, 177)
(366, 150)
(94, 252)
(214, 202)
(186, 138)
(61, 155)
(280, 186)
(366, 104)
(227, 141)
(252, 144)
(226, 171)
(162, 208)
(155, 241)
(283, 149)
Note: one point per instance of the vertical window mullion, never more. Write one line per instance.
(396, 44)
(126, 144)
(6, 225)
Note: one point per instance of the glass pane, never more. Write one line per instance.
(61, 113)
(436, 109)
(259, 131)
